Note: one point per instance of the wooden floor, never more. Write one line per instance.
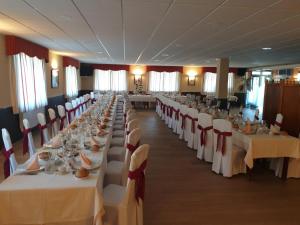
(180, 189)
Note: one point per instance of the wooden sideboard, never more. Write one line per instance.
(284, 98)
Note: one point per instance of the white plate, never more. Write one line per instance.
(25, 171)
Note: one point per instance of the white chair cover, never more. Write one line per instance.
(278, 121)
(205, 149)
(170, 112)
(54, 125)
(122, 200)
(175, 116)
(191, 127)
(69, 106)
(31, 146)
(74, 106)
(62, 116)
(42, 121)
(8, 145)
(230, 162)
(180, 127)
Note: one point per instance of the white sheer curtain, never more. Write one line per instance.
(30, 82)
(164, 81)
(209, 85)
(109, 80)
(71, 81)
(230, 86)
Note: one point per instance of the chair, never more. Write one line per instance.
(182, 119)
(43, 128)
(118, 152)
(10, 163)
(170, 113)
(70, 112)
(75, 108)
(129, 116)
(175, 116)
(278, 121)
(117, 171)
(62, 117)
(120, 141)
(79, 107)
(28, 143)
(127, 201)
(228, 159)
(53, 122)
(190, 128)
(205, 149)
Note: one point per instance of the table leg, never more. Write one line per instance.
(285, 168)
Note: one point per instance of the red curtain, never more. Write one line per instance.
(15, 45)
(67, 61)
(165, 69)
(110, 67)
(214, 70)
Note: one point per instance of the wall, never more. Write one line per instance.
(5, 100)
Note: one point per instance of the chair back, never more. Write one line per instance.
(53, 122)
(44, 131)
(74, 105)
(70, 115)
(205, 137)
(133, 142)
(278, 121)
(31, 146)
(7, 146)
(222, 147)
(134, 206)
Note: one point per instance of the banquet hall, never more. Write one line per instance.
(149, 112)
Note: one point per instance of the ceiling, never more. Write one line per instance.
(160, 32)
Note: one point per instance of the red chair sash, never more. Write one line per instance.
(70, 113)
(221, 141)
(132, 148)
(52, 121)
(171, 111)
(203, 134)
(176, 114)
(62, 122)
(193, 120)
(42, 127)
(256, 117)
(25, 140)
(7, 154)
(278, 123)
(183, 120)
(139, 176)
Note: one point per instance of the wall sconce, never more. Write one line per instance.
(137, 75)
(192, 77)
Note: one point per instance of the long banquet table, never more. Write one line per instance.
(53, 199)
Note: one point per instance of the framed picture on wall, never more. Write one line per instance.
(54, 78)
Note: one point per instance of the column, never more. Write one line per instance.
(222, 80)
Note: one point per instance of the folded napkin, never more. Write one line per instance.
(56, 142)
(34, 164)
(94, 142)
(85, 161)
(274, 130)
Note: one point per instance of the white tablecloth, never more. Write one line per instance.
(141, 98)
(266, 146)
(50, 199)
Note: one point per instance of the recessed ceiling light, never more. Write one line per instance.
(99, 52)
(165, 55)
(156, 60)
(266, 48)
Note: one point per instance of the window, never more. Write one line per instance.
(164, 81)
(71, 81)
(230, 86)
(30, 82)
(209, 85)
(109, 80)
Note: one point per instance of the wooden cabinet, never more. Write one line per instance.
(284, 98)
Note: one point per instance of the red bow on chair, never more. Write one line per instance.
(176, 114)
(203, 134)
(70, 113)
(222, 143)
(7, 154)
(25, 140)
(183, 120)
(193, 120)
(277, 123)
(62, 122)
(132, 148)
(139, 177)
(42, 127)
